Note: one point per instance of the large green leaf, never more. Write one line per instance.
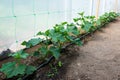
(27, 44)
(55, 51)
(35, 41)
(30, 70)
(71, 28)
(20, 54)
(56, 36)
(36, 53)
(61, 38)
(87, 26)
(44, 50)
(32, 42)
(70, 38)
(12, 69)
(78, 42)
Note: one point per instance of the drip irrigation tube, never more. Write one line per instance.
(40, 66)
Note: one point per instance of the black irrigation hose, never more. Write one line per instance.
(52, 57)
(40, 66)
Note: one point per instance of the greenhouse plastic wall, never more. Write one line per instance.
(22, 19)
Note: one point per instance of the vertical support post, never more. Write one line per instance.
(68, 10)
(65, 5)
(34, 15)
(116, 5)
(15, 25)
(91, 7)
(97, 9)
(104, 6)
(48, 13)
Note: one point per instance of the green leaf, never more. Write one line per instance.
(44, 50)
(61, 38)
(30, 70)
(70, 38)
(76, 19)
(23, 43)
(24, 55)
(60, 64)
(28, 45)
(63, 23)
(36, 53)
(47, 32)
(98, 22)
(87, 26)
(54, 37)
(78, 42)
(40, 33)
(11, 69)
(55, 52)
(59, 28)
(32, 42)
(82, 13)
(35, 41)
(71, 28)
(20, 54)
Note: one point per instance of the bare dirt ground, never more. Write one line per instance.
(98, 59)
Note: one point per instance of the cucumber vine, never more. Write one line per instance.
(54, 40)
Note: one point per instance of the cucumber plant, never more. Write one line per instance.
(16, 68)
(58, 36)
(55, 39)
(87, 23)
(106, 18)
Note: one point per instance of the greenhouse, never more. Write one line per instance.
(60, 40)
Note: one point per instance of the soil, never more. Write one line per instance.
(98, 59)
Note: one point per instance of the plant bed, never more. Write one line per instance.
(52, 69)
(61, 36)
